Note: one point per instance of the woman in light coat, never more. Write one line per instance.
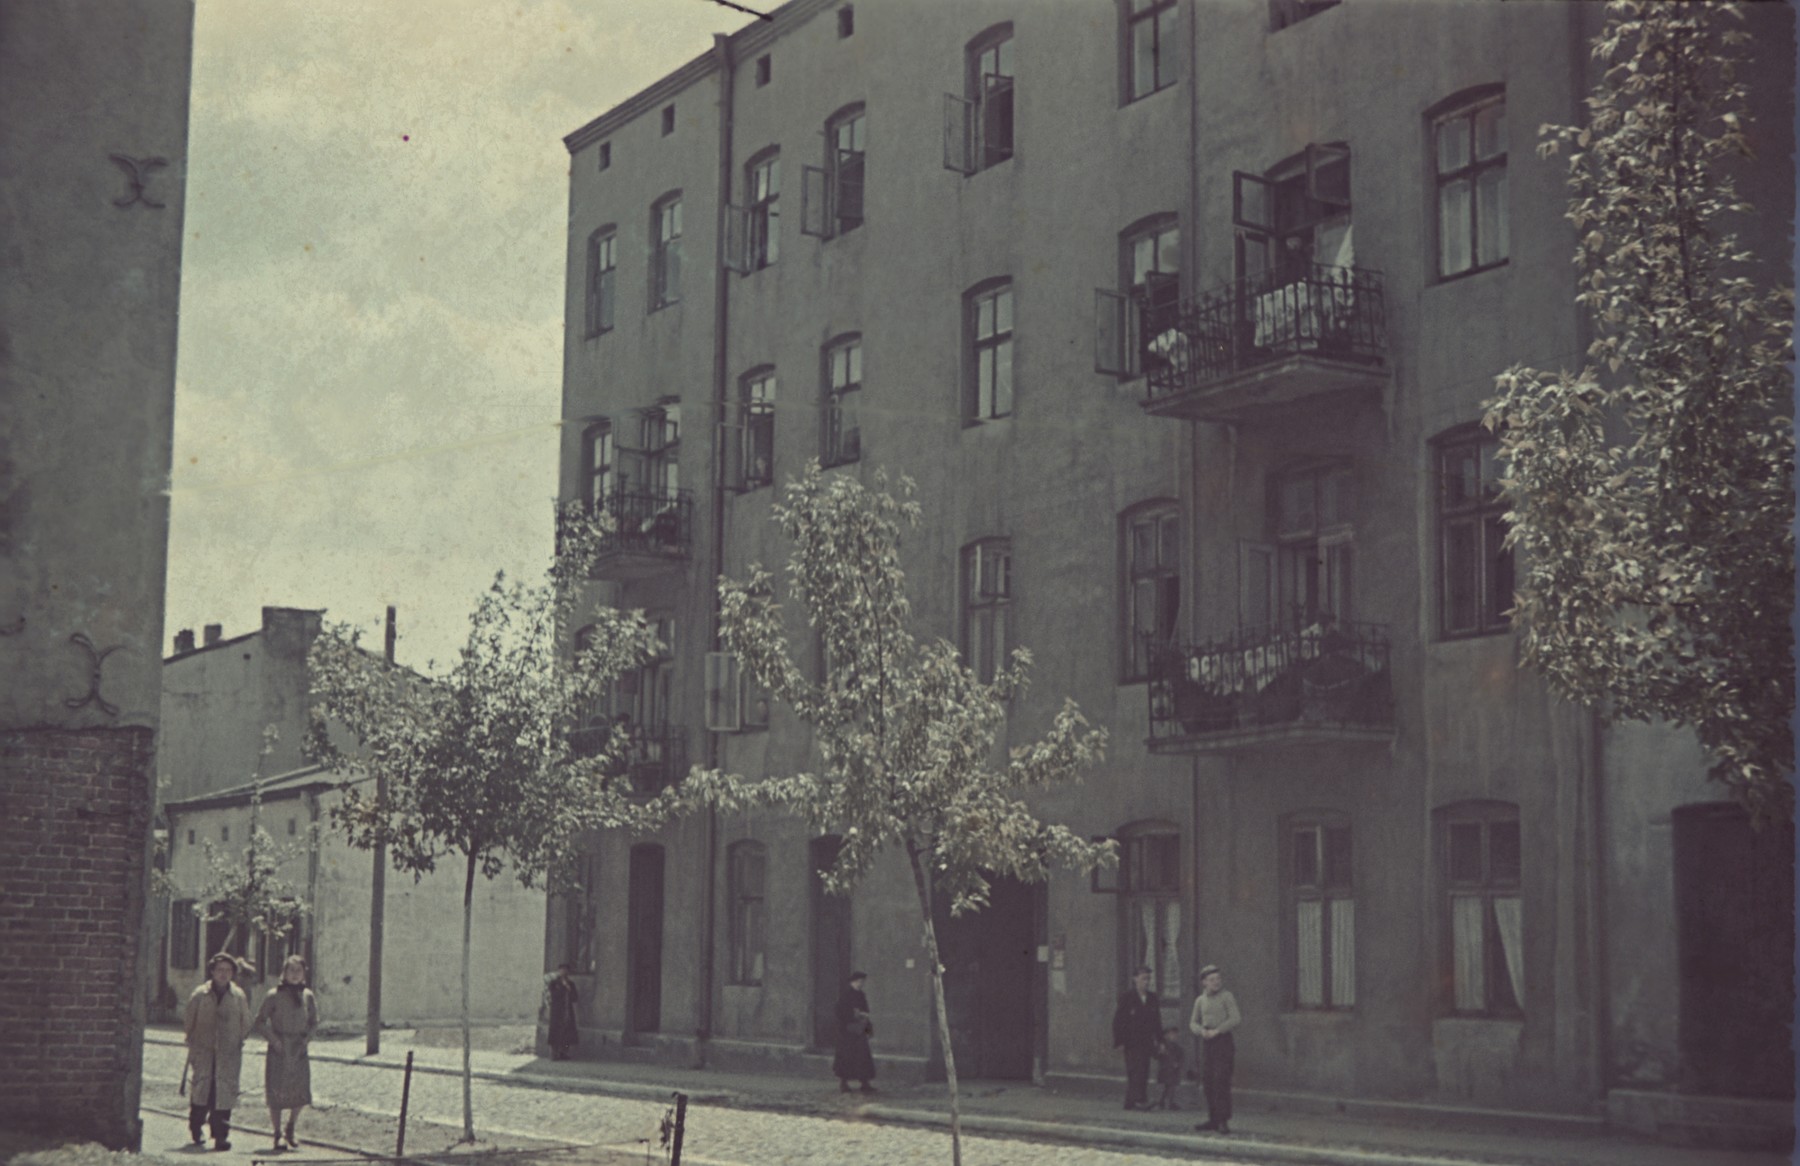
(288, 1016)
(217, 1021)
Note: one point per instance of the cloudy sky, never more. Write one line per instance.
(372, 295)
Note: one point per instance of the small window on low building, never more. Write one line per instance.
(764, 70)
(668, 120)
(605, 155)
(847, 20)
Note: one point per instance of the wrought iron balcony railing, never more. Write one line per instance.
(648, 522)
(1314, 310)
(651, 758)
(1325, 682)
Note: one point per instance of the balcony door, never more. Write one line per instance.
(1294, 219)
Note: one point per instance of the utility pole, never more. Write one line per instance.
(378, 886)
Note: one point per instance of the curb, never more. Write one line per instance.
(352, 1151)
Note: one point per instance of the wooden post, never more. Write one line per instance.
(378, 889)
(405, 1097)
(680, 1128)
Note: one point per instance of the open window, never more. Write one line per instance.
(978, 126)
(734, 703)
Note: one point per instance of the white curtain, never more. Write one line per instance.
(1343, 953)
(1171, 967)
(1147, 933)
(1310, 948)
(1507, 918)
(1466, 933)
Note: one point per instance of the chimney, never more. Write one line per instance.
(214, 633)
(184, 641)
(388, 641)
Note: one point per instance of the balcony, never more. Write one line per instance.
(1265, 344)
(654, 757)
(652, 532)
(1322, 685)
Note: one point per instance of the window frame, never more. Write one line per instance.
(1492, 565)
(1467, 105)
(762, 224)
(1313, 829)
(978, 409)
(1318, 556)
(602, 280)
(985, 616)
(1165, 899)
(756, 403)
(839, 444)
(599, 463)
(1164, 574)
(665, 251)
(580, 902)
(1500, 1000)
(185, 930)
(1131, 17)
(747, 926)
(846, 21)
(659, 449)
(982, 97)
(853, 118)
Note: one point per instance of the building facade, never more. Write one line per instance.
(94, 97)
(1181, 316)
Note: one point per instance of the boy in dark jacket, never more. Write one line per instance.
(1169, 1056)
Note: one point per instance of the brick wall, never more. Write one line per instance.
(75, 810)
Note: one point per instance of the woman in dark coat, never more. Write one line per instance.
(560, 996)
(288, 1016)
(854, 1061)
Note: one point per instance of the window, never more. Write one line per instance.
(1307, 568)
(765, 214)
(641, 694)
(668, 120)
(990, 329)
(758, 399)
(748, 865)
(1150, 907)
(978, 126)
(1470, 146)
(224, 833)
(987, 598)
(600, 274)
(659, 451)
(1321, 923)
(733, 701)
(764, 70)
(846, 21)
(190, 837)
(1130, 325)
(605, 155)
(184, 935)
(840, 439)
(579, 904)
(1151, 600)
(597, 464)
(293, 826)
(845, 134)
(218, 930)
(1294, 220)
(1283, 13)
(1151, 47)
(1481, 864)
(1474, 568)
(665, 261)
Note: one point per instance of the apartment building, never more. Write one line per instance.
(1180, 316)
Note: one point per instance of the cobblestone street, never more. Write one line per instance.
(715, 1134)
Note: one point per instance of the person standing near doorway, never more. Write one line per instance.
(560, 997)
(287, 1018)
(1215, 1015)
(854, 1061)
(217, 1020)
(1137, 1026)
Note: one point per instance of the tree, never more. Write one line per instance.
(905, 731)
(478, 763)
(1652, 492)
(245, 888)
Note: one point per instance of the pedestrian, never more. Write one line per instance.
(217, 1020)
(1169, 1058)
(287, 1018)
(1215, 1015)
(1137, 1025)
(854, 1061)
(560, 996)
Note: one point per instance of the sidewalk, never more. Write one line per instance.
(1260, 1132)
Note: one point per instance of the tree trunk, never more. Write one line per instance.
(468, 916)
(922, 883)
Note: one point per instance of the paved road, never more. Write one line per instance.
(716, 1136)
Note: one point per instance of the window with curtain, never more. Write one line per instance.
(1151, 599)
(665, 260)
(1150, 907)
(989, 312)
(748, 865)
(1321, 913)
(602, 248)
(1151, 47)
(597, 458)
(1469, 144)
(840, 438)
(764, 180)
(1313, 545)
(759, 428)
(1475, 569)
(987, 601)
(1481, 867)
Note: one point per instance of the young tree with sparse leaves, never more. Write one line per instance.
(905, 731)
(477, 764)
(1651, 493)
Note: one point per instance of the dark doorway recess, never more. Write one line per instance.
(830, 943)
(991, 989)
(644, 940)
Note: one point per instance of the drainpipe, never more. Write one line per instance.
(716, 557)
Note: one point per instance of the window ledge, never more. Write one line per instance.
(1143, 97)
(1473, 271)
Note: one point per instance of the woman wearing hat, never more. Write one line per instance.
(217, 1021)
(854, 1061)
(1215, 1015)
(288, 1016)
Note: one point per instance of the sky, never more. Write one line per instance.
(369, 372)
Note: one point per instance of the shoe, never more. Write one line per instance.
(199, 1138)
(293, 1143)
(843, 1086)
(221, 1145)
(1207, 1127)
(1224, 1128)
(867, 1088)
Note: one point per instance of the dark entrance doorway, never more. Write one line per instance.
(830, 943)
(1734, 910)
(643, 940)
(991, 988)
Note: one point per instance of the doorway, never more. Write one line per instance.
(644, 940)
(830, 942)
(991, 982)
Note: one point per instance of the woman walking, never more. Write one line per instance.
(854, 1061)
(288, 1016)
(217, 1020)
